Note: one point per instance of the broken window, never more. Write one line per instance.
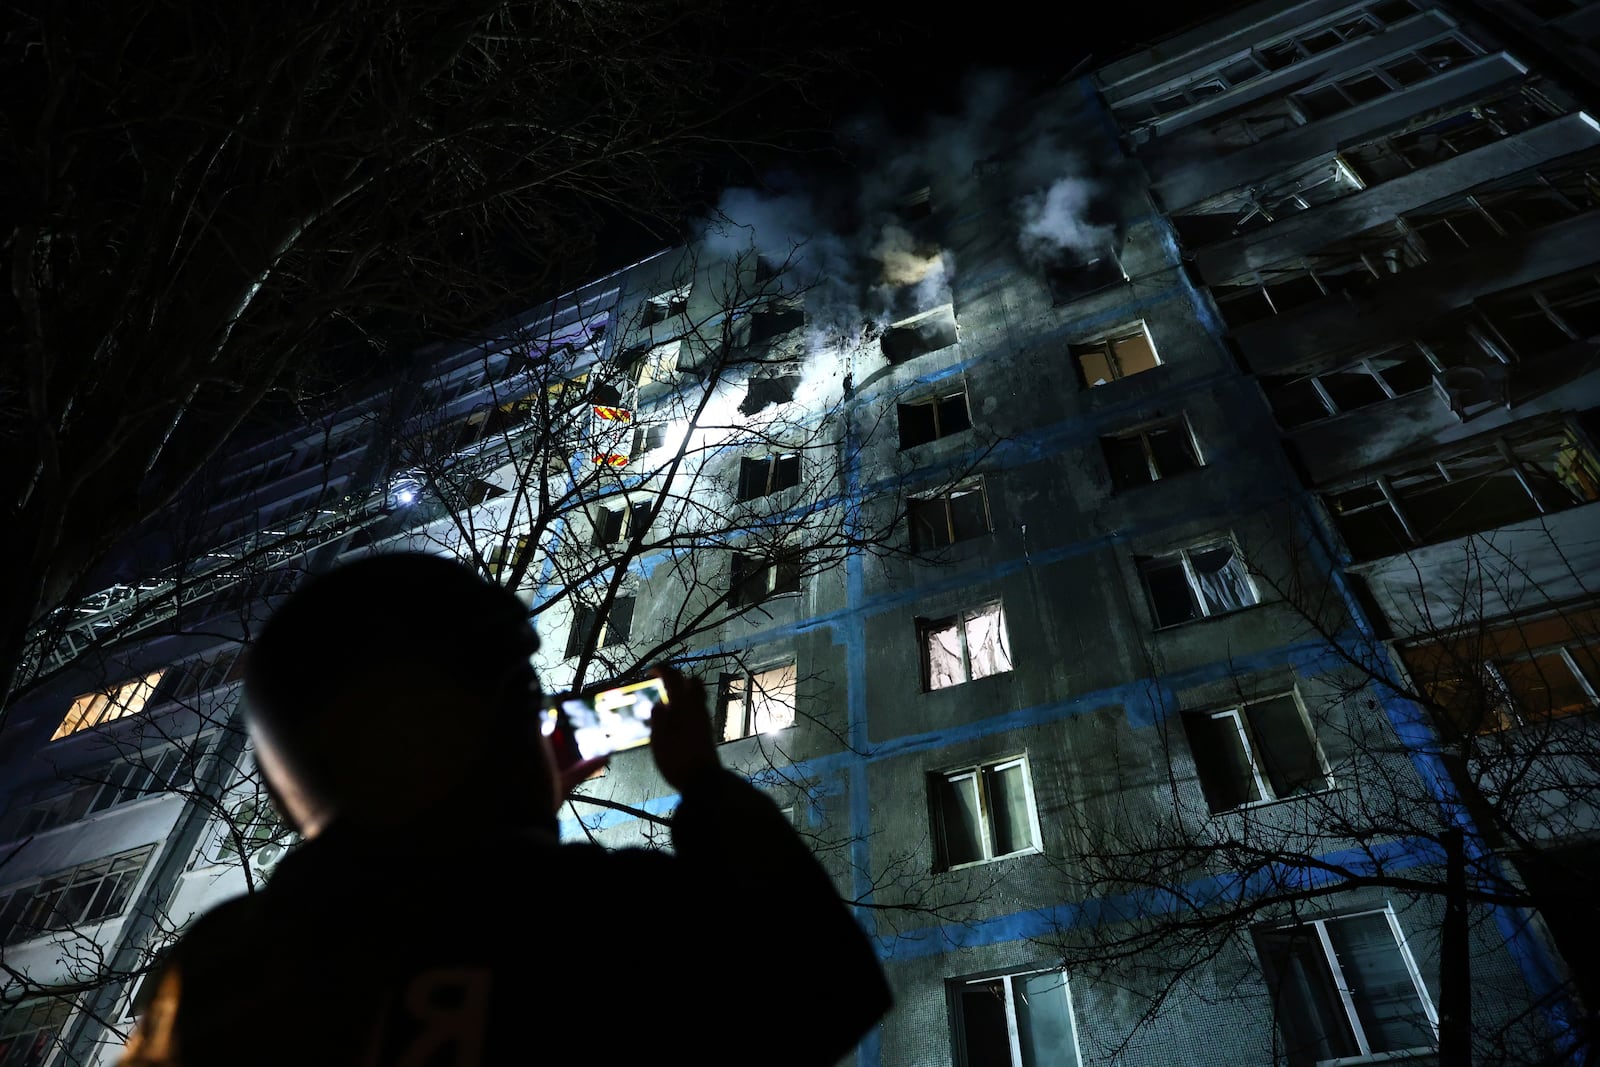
(774, 319)
(1150, 453)
(1346, 987)
(92, 709)
(927, 332)
(653, 365)
(1496, 676)
(764, 391)
(1126, 352)
(1486, 484)
(1301, 399)
(757, 702)
(1547, 316)
(1470, 128)
(665, 306)
(1221, 217)
(84, 894)
(508, 556)
(763, 475)
(1261, 751)
(1198, 582)
(982, 813)
(931, 419)
(959, 513)
(1257, 123)
(1070, 278)
(1391, 76)
(759, 577)
(964, 647)
(593, 628)
(1016, 1020)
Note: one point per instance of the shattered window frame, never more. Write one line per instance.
(1026, 1031)
(609, 628)
(1155, 460)
(940, 416)
(1420, 63)
(1303, 399)
(990, 661)
(984, 812)
(938, 521)
(755, 578)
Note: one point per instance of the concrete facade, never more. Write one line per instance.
(1191, 790)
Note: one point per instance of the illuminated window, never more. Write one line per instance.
(1261, 751)
(1120, 355)
(983, 813)
(92, 709)
(964, 647)
(1196, 582)
(657, 364)
(757, 702)
(1347, 987)
(85, 894)
(959, 513)
(1151, 453)
(933, 418)
(506, 557)
(1507, 674)
(1016, 1020)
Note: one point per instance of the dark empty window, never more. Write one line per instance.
(597, 629)
(956, 515)
(757, 577)
(765, 391)
(1300, 399)
(1078, 276)
(1017, 1020)
(928, 332)
(762, 475)
(1260, 751)
(774, 320)
(931, 419)
(1207, 579)
(1151, 453)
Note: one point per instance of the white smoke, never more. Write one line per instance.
(1056, 221)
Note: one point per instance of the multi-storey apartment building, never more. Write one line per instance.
(1148, 551)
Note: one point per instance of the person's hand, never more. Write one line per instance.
(680, 730)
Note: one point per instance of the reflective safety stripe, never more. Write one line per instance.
(614, 414)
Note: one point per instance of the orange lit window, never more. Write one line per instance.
(92, 709)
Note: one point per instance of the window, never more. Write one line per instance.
(1418, 65)
(28, 1032)
(766, 390)
(757, 702)
(1508, 674)
(964, 647)
(1256, 123)
(774, 319)
(594, 629)
(763, 475)
(85, 894)
(1151, 453)
(626, 518)
(1197, 582)
(1476, 126)
(1543, 318)
(1261, 205)
(1071, 276)
(654, 365)
(1016, 1020)
(121, 781)
(933, 418)
(647, 438)
(1488, 483)
(1261, 751)
(756, 578)
(1122, 354)
(985, 812)
(957, 514)
(506, 557)
(1397, 371)
(663, 307)
(927, 332)
(252, 823)
(1346, 986)
(92, 709)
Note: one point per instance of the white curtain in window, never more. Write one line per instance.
(987, 644)
(945, 667)
(1224, 586)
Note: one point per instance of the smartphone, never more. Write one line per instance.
(598, 724)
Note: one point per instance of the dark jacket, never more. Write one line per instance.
(492, 948)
